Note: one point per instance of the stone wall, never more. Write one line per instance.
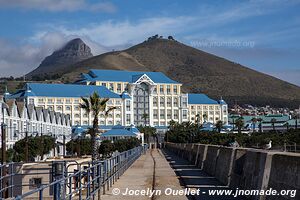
(243, 168)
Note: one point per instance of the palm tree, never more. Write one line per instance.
(260, 124)
(287, 125)
(145, 117)
(253, 120)
(219, 125)
(296, 121)
(198, 119)
(95, 105)
(239, 123)
(273, 121)
(204, 117)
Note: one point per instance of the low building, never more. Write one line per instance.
(21, 119)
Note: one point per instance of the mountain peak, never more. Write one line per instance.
(73, 51)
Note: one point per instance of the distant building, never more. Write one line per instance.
(20, 118)
(141, 98)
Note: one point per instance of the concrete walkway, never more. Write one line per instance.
(140, 177)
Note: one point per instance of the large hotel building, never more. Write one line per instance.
(141, 98)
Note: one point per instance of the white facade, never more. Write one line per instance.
(20, 118)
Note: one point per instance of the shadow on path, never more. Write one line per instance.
(191, 176)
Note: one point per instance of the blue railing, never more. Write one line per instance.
(69, 179)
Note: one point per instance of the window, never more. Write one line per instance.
(211, 112)
(161, 89)
(162, 101)
(119, 88)
(127, 105)
(50, 101)
(76, 108)
(217, 107)
(102, 122)
(41, 100)
(59, 101)
(118, 102)
(155, 113)
(111, 87)
(31, 101)
(118, 122)
(85, 122)
(128, 119)
(110, 116)
(175, 114)
(76, 115)
(68, 107)
(199, 107)
(35, 183)
(155, 90)
(59, 107)
(103, 84)
(50, 108)
(169, 101)
(168, 89)
(184, 114)
(155, 123)
(175, 89)
(110, 123)
(211, 107)
(175, 103)
(184, 102)
(118, 116)
(162, 113)
(169, 114)
(155, 101)
(76, 101)
(68, 101)
(85, 115)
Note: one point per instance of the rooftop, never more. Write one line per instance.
(63, 90)
(125, 76)
(200, 99)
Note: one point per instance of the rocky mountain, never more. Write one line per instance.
(74, 51)
(197, 70)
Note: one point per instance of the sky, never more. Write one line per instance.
(261, 34)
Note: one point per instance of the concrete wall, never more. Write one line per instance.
(242, 168)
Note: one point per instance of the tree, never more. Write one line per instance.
(253, 120)
(106, 149)
(295, 117)
(287, 125)
(198, 120)
(170, 37)
(273, 121)
(35, 147)
(145, 116)
(95, 105)
(148, 132)
(219, 125)
(260, 124)
(85, 146)
(204, 117)
(239, 123)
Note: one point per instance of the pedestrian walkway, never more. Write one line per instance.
(151, 172)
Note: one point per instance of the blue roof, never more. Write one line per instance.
(200, 99)
(125, 76)
(118, 132)
(63, 90)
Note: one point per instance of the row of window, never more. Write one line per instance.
(166, 90)
(205, 107)
(170, 115)
(69, 101)
(162, 101)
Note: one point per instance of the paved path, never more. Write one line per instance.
(157, 171)
(140, 176)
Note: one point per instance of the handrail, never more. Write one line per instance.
(91, 179)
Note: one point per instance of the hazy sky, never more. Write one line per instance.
(261, 34)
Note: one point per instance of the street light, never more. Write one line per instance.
(3, 133)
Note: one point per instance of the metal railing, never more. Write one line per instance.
(67, 179)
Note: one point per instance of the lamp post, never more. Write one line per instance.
(3, 134)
